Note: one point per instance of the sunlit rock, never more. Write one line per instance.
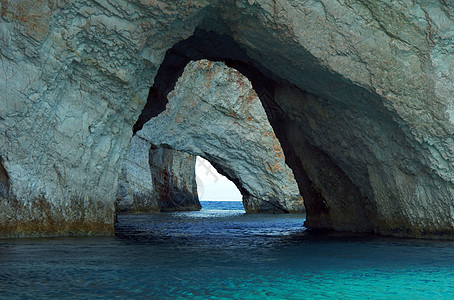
(74, 77)
(215, 113)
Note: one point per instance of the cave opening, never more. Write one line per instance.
(222, 48)
(330, 130)
(213, 186)
(215, 47)
(214, 112)
(216, 191)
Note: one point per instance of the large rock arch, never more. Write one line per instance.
(364, 91)
(215, 113)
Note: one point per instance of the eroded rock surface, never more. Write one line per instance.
(365, 86)
(215, 113)
(74, 78)
(156, 179)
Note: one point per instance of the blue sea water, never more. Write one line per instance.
(222, 253)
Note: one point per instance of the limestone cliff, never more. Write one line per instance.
(74, 78)
(359, 96)
(154, 180)
(214, 112)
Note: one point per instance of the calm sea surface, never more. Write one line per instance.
(221, 253)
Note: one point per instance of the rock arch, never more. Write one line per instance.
(317, 175)
(214, 112)
(339, 195)
(365, 113)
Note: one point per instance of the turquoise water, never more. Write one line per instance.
(222, 253)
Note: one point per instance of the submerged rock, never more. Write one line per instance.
(215, 113)
(154, 180)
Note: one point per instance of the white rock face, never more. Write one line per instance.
(154, 180)
(214, 112)
(366, 87)
(74, 78)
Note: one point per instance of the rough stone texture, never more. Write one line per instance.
(366, 87)
(74, 77)
(376, 112)
(215, 113)
(154, 180)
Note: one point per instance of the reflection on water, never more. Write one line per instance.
(220, 252)
(217, 225)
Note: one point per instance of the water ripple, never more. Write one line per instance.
(223, 254)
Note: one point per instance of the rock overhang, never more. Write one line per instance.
(375, 109)
(214, 112)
